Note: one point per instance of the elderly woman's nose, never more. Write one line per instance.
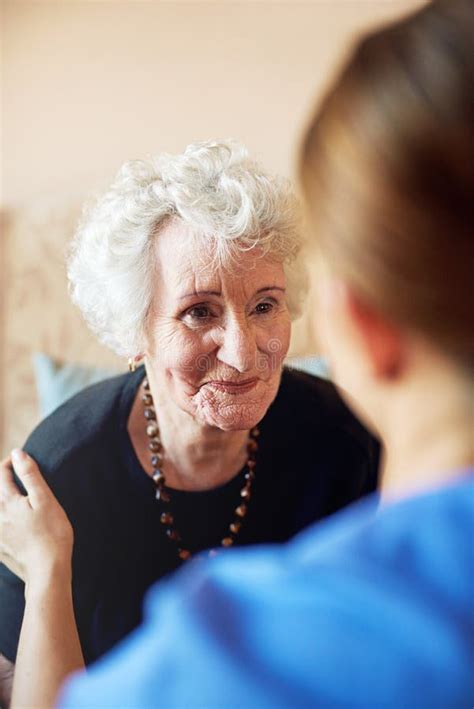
(238, 346)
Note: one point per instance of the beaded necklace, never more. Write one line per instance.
(163, 496)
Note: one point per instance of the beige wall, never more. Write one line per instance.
(90, 84)
(86, 85)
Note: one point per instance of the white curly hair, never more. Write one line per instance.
(218, 191)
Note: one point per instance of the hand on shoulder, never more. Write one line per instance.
(36, 537)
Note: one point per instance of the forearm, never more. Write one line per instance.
(6, 681)
(49, 647)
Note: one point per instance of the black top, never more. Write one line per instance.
(313, 458)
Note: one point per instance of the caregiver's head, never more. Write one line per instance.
(387, 168)
(191, 262)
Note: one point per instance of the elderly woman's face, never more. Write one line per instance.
(216, 339)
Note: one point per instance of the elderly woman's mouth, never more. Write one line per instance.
(231, 387)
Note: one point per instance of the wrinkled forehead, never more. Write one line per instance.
(187, 261)
(179, 250)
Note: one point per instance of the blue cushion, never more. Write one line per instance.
(57, 381)
(313, 365)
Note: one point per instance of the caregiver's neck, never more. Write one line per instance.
(428, 428)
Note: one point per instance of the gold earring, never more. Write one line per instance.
(132, 365)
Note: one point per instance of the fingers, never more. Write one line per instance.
(29, 474)
(7, 485)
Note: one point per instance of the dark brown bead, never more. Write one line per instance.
(227, 542)
(234, 527)
(255, 432)
(146, 384)
(172, 534)
(152, 430)
(252, 445)
(147, 399)
(156, 459)
(158, 477)
(154, 445)
(241, 510)
(150, 414)
(251, 463)
(245, 493)
(166, 518)
(184, 554)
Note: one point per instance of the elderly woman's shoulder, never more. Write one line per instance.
(309, 390)
(80, 423)
(312, 403)
(303, 383)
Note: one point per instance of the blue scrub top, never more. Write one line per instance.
(371, 608)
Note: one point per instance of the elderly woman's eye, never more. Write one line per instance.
(199, 312)
(263, 308)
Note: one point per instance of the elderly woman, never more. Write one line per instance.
(192, 264)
